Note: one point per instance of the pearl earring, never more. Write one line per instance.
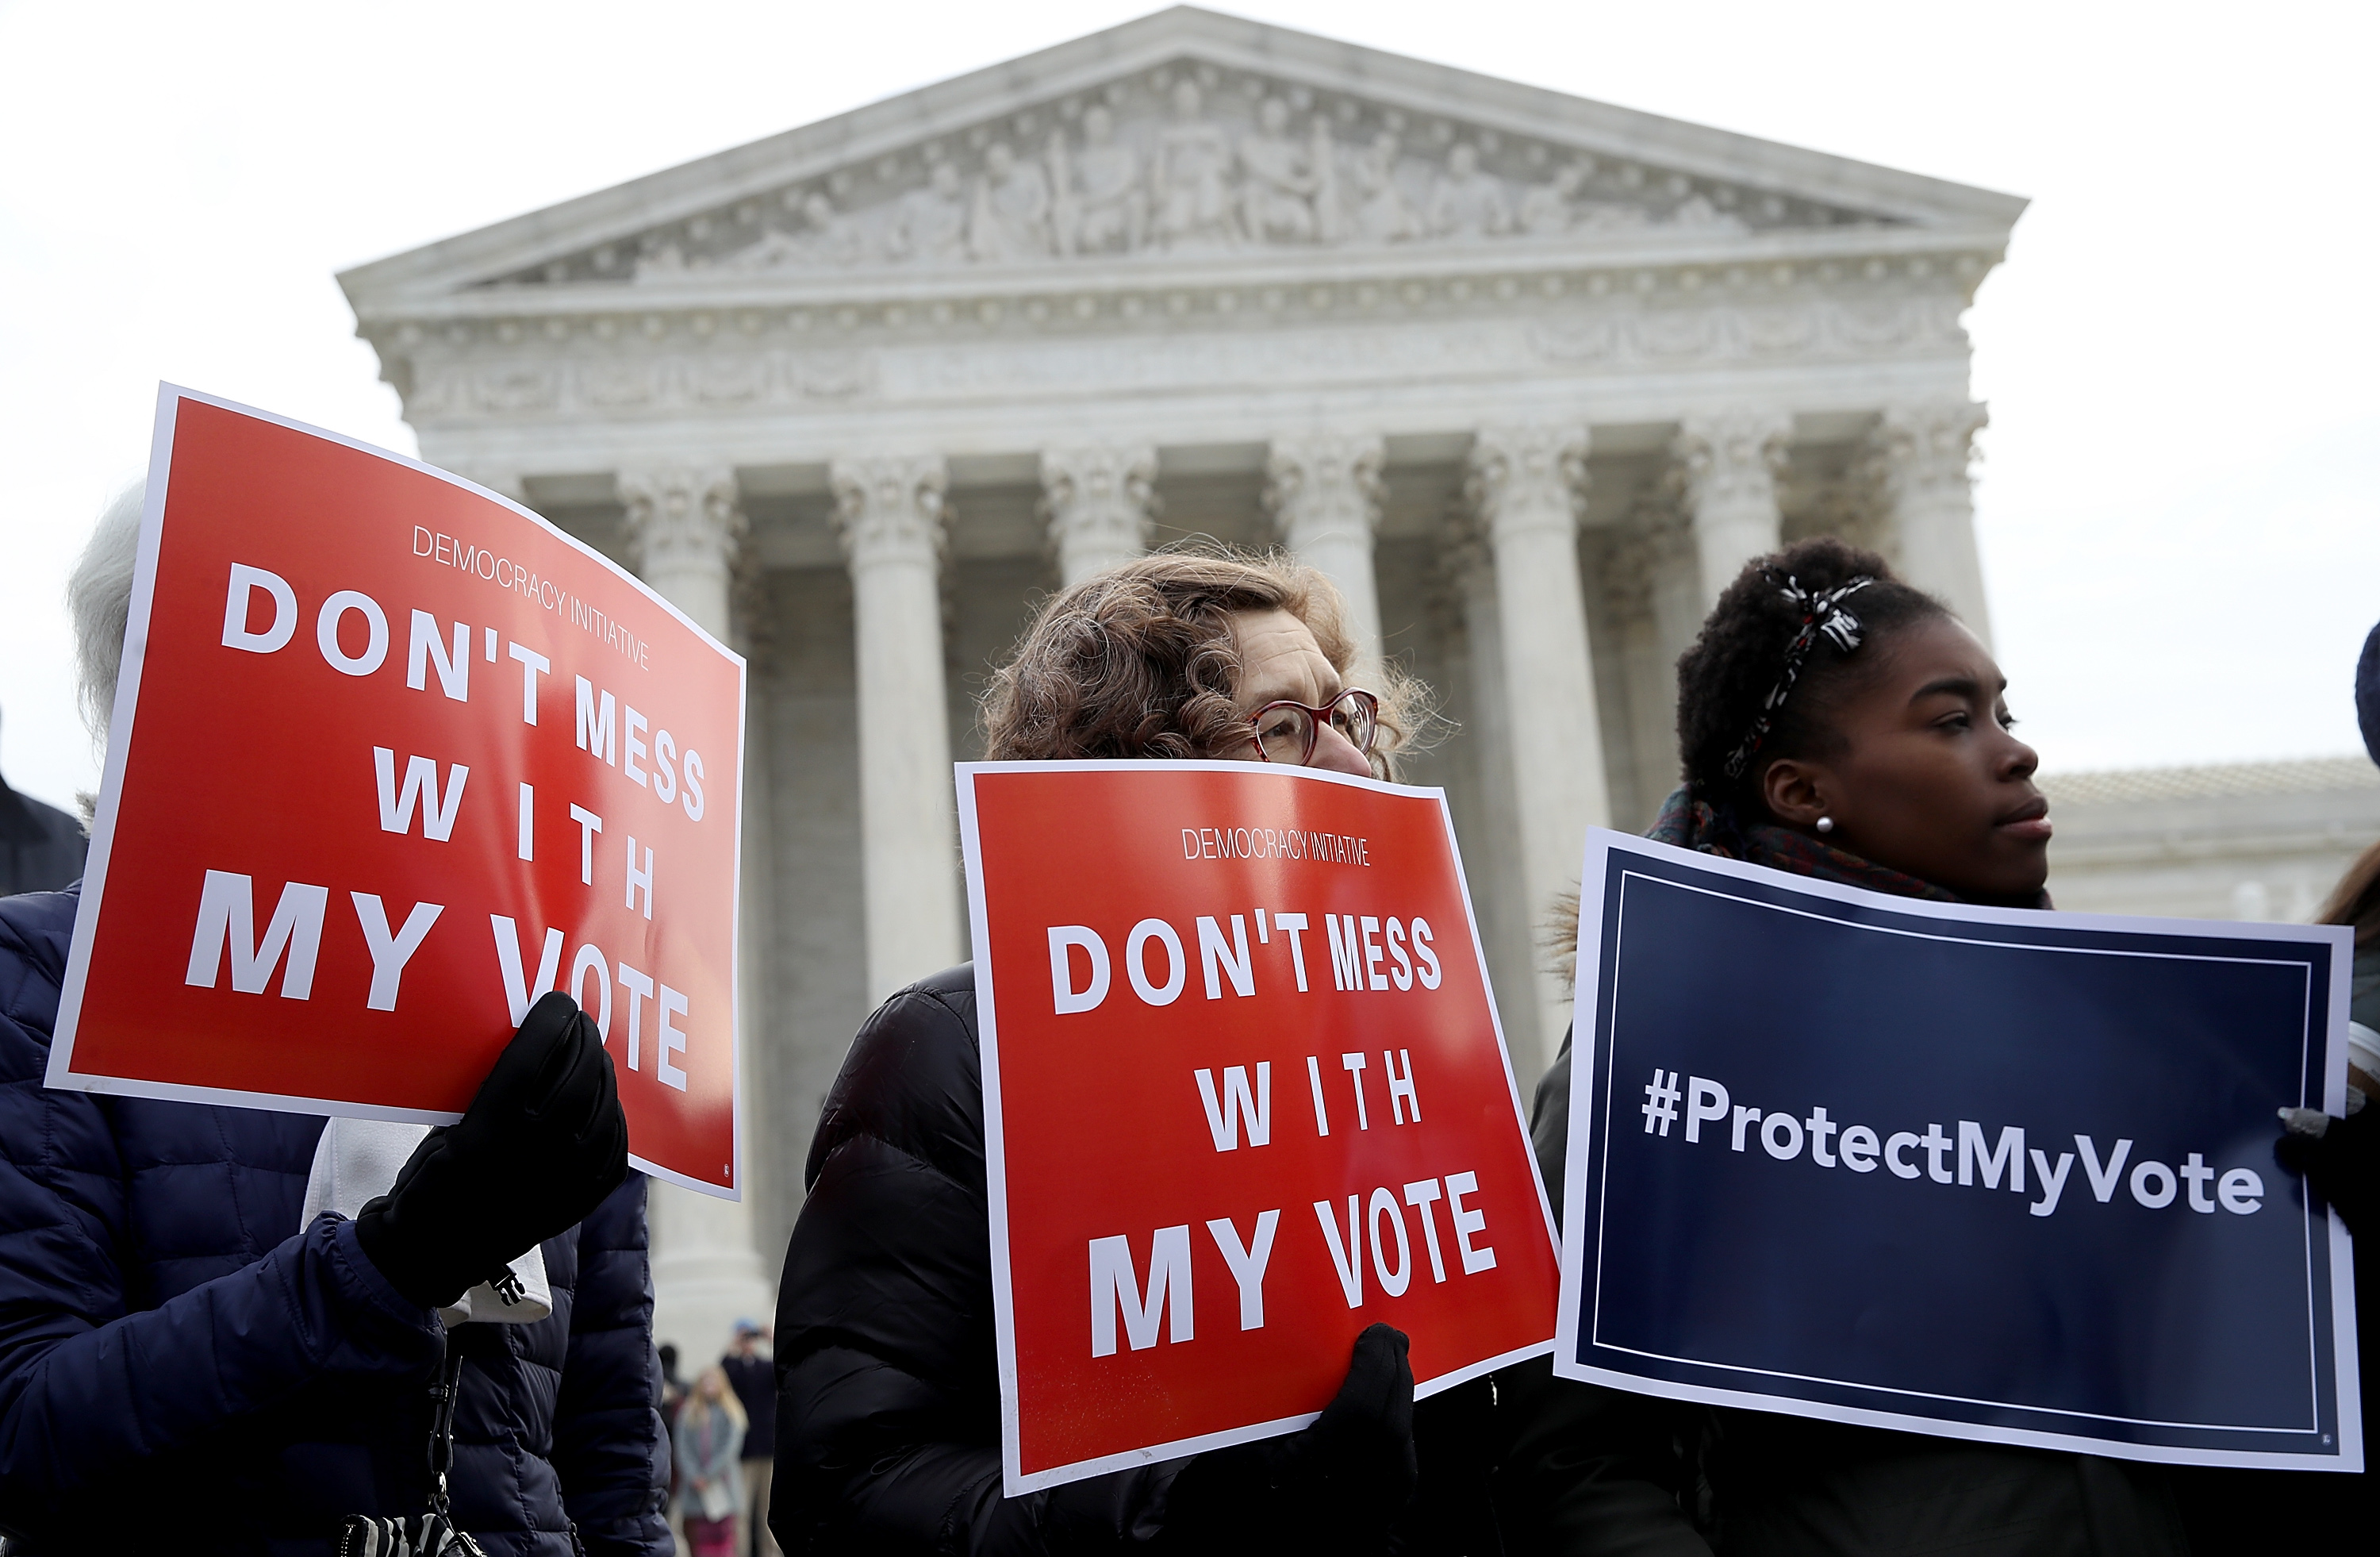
(1825, 824)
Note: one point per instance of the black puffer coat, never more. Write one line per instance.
(888, 1404)
(1590, 1470)
(182, 1369)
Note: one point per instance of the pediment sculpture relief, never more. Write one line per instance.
(1171, 165)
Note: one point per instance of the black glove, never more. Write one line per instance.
(1338, 1486)
(538, 1150)
(2339, 1157)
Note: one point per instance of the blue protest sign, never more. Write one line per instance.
(1979, 1173)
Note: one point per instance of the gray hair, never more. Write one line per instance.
(98, 597)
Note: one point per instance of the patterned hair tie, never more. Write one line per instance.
(1820, 613)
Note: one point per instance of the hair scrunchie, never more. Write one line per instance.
(1821, 613)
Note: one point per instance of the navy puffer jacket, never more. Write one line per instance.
(181, 1369)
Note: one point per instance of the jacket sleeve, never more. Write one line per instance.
(1586, 1469)
(88, 1390)
(888, 1435)
(92, 1382)
(611, 1449)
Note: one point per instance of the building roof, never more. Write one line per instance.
(2315, 776)
(826, 202)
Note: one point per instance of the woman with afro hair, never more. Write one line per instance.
(1836, 723)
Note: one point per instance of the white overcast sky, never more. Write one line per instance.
(2179, 503)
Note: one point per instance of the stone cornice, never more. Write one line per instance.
(778, 361)
(1654, 263)
(1579, 314)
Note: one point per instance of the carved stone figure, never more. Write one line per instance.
(1194, 182)
(930, 224)
(1065, 204)
(1329, 212)
(1383, 214)
(1010, 218)
(774, 248)
(1609, 216)
(664, 260)
(1277, 183)
(1192, 176)
(833, 239)
(1101, 204)
(1546, 209)
(1695, 210)
(1468, 202)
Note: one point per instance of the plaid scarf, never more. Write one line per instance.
(1692, 824)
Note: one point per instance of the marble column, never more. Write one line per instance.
(686, 524)
(1491, 848)
(1726, 467)
(1526, 485)
(1323, 490)
(1918, 458)
(890, 513)
(1099, 502)
(1632, 570)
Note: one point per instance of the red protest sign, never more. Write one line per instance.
(1244, 1094)
(391, 757)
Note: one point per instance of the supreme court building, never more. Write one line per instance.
(1528, 376)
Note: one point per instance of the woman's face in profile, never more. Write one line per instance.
(1927, 777)
(1280, 660)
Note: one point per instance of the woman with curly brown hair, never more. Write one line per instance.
(1836, 723)
(1167, 657)
(889, 1395)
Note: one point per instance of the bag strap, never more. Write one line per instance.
(442, 1430)
(432, 1534)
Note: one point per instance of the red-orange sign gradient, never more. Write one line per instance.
(1247, 1096)
(390, 757)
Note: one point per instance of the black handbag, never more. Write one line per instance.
(426, 1535)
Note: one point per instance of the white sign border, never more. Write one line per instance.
(61, 1073)
(1015, 1481)
(1603, 843)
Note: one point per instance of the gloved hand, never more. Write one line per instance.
(1338, 1486)
(542, 1144)
(2339, 1157)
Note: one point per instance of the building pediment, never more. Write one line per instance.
(1185, 142)
(1190, 160)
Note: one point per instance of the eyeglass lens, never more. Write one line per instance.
(1287, 730)
(1356, 717)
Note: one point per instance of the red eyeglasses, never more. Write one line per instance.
(1286, 731)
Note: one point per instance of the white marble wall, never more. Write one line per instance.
(2248, 841)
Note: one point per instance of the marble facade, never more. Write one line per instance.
(2231, 841)
(1527, 376)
